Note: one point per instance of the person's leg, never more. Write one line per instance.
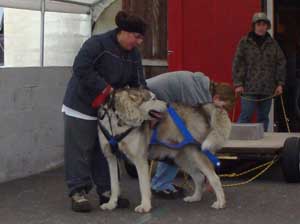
(164, 177)
(80, 137)
(79, 144)
(247, 109)
(263, 110)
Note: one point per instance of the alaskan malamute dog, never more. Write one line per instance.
(129, 108)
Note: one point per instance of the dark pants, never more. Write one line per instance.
(85, 163)
(262, 107)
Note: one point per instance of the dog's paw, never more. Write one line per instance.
(108, 206)
(192, 199)
(219, 204)
(143, 208)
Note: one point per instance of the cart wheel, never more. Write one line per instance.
(130, 169)
(290, 160)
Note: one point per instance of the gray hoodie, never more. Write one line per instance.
(181, 86)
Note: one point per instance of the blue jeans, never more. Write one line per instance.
(164, 177)
(262, 107)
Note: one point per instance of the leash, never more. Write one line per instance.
(263, 99)
(258, 100)
(251, 100)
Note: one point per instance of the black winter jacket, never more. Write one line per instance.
(101, 61)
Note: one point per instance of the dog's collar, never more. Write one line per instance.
(112, 139)
(108, 104)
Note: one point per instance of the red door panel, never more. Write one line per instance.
(175, 29)
(203, 35)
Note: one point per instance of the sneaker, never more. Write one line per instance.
(169, 194)
(122, 202)
(80, 203)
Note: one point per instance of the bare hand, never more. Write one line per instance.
(278, 90)
(239, 90)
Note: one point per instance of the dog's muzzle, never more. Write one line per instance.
(156, 114)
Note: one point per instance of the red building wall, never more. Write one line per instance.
(203, 34)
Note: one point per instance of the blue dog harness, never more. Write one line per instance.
(188, 138)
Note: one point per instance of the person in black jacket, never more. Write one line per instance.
(105, 62)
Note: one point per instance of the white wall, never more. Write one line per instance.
(106, 20)
(31, 133)
(64, 34)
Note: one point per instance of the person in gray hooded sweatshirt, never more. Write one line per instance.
(192, 89)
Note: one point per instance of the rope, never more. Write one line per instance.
(247, 171)
(249, 99)
(258, 100)
(263, 99)
(268, 166)
(285, 114)
(151, 167)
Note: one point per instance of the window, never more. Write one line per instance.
(21, 37)
(64, 35)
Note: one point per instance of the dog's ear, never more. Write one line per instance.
(146, 95)
(133, 97)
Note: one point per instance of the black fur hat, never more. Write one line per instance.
(130, 23)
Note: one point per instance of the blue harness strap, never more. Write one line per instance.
(187, 137)
(212, 158)
(114, 140)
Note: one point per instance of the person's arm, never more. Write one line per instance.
(239, 66)
(280, 70)
(138, 77)
(92, 87)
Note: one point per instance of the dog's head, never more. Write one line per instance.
(134, 106)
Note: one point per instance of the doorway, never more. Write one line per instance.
(287, 33)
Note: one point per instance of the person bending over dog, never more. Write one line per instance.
(191, 89)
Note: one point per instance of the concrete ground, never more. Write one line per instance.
(42, 199)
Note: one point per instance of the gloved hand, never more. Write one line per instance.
(100, 99)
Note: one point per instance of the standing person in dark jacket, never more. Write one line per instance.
(104, 62)
(259, 70)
